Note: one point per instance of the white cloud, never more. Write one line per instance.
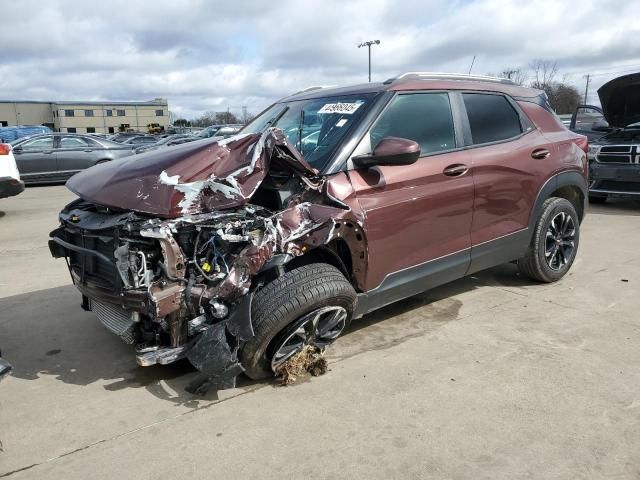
(209, 56)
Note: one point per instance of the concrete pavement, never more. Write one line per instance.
(489, 377)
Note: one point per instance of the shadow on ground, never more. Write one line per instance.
(47, 333)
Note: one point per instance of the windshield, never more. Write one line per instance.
(317, 126)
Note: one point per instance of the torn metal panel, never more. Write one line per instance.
(192, 248)
(196, 177)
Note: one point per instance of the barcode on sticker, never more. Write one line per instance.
(342, 108)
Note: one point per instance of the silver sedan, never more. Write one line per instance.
(56, 157)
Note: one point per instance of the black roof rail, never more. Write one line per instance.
(447, 76)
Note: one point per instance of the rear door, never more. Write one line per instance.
(418, 217)
(76, 153)
(510, 160)
(36, 157)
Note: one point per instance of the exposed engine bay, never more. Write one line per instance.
(181, 286)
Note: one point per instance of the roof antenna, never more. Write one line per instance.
(472, 62)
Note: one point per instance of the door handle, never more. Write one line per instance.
(540, 154)
(456, 170)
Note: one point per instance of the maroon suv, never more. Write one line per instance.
(235, 254)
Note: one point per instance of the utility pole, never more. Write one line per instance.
(472, 62)
(368, 44)
(586, 88)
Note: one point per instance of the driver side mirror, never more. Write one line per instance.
(601, 126)
(17, 150)
(390, 151)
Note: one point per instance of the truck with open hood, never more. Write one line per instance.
(614, 151)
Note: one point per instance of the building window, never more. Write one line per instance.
(91, 129)
(159, 113)
(121, 113)
(112, 130)
(55, 113)
(71, 130)
(69, 113)
(109, 113)
(88, 113)
(4, 123)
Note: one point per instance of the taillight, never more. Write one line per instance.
(582, 142)
(5, 149)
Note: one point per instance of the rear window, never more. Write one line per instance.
(491, 118)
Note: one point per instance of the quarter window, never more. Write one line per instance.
(422, 117)
(491, 118)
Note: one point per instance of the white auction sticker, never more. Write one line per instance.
(342, 108)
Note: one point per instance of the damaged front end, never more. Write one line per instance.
(167, 252)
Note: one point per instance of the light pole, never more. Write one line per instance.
(368, 44)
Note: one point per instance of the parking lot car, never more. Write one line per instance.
(614, 157)
(56, 157)
(10, 183)
(332, 203)
(212, 130)
(141, 140)
(167, 141)
(122, 136)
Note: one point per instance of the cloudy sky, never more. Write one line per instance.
(213, 55)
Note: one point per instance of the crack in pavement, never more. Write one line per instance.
(131, 432)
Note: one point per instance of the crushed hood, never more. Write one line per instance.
(620, 100)
(192, 178)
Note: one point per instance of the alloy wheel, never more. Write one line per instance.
(318, 328)
(560, 241)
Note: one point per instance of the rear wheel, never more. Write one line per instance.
(555, 242)
(309, 305)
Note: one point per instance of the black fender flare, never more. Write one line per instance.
(559, 180)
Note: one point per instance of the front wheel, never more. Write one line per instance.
(555, 242)
(309, 305)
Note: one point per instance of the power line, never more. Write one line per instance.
(631, 68)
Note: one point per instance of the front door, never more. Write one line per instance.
(35, 157)
(418, 217)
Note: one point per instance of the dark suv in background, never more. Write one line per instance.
(332, 203)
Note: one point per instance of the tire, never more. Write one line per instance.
(597, 200)
(285, 300)
(535, 263)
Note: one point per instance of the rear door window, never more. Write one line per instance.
(491, 118)
(422, 117)
(73, 142)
